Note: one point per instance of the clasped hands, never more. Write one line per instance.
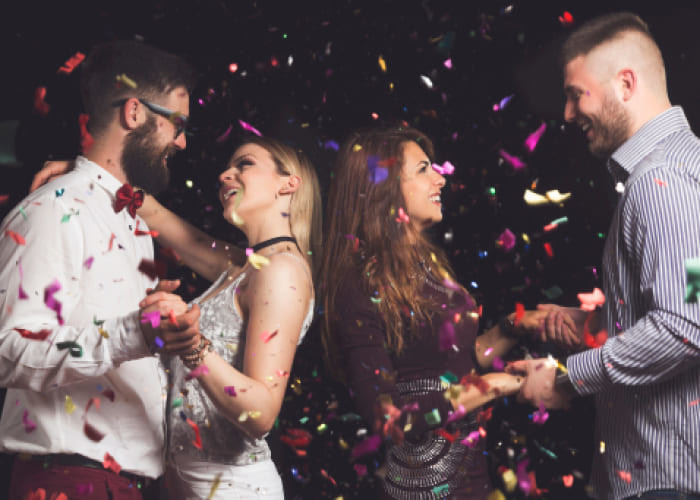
(178, 330)
(549, 323)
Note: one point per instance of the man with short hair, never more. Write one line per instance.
(86, 401)
(646, 377)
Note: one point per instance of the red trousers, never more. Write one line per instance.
(76, 483)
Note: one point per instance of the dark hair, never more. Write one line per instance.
(364, 238)
(154, 71)
(599, 30)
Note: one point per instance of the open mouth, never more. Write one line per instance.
(436, 199)
(229, 193)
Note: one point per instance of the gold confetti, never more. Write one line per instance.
(214, 486)
(258, 261)
(103, 332)
(382, 64)
(70, 406)
(356, 148)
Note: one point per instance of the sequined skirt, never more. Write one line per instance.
(433, 467)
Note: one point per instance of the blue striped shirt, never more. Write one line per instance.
(646, 378)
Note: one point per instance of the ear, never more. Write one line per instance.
(627, 83)
(132, 114)
(291, 184)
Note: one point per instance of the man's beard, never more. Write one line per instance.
(143, 161)
(610, 128)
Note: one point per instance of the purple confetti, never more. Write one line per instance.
(532, 140)
(377, 174)
(230, 390)
(88, 262)
(51, 302)
(369, 445)
(159, 342)
(506, 240)
(29, 425)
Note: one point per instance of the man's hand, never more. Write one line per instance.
(564, 326)
(50, 170)
(539, 386)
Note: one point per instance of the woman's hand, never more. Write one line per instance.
(565, 325)
(50, 170)
(503, 384)
(161, 299)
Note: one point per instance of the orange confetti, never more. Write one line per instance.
(625, 476)
(110, 463)
(519, 312)
(198, 439)
(71, 63)
(19, 239)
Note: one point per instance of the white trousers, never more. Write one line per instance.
(193, 480)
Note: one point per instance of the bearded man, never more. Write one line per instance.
(71, 331)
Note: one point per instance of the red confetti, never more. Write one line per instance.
(153, 268)
(4, 198)
(110, 463)
(519, 312)
(625, 476)
(86, 139)
(660, 182)
(17, 237)
(476, 381)
(41, 106)
(694, 403)
(566, 19)
(72, 63)
(403, 216)
(548, 249)
(28, 334)
(568, 480)
(198, 439)
(111, 242)
(329, 477)
(265, 336)
(92, 433)
(172, 319)
(139, 232)
(450, 437)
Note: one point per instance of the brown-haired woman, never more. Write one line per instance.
(395, 321)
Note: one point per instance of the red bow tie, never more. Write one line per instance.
(127, 197)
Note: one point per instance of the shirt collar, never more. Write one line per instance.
(646, 139)
(98, 174)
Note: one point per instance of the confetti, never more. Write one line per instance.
(110, 463)
(230, 390)
(541, 415)
(51, 302)
(377, 173)
(511, 160)
(568, 480)
(153, 268)
(441, 490)
(198, 439)
(589, 301)
(382, 63)
(197, 372)
(17, 237)
(126, 81)
(88, 262)
(92, 433)
(369, 445)
(692, 278)
(433, 417)
(29, 425)
(40, 105)
(506, 240)
(158, 341)
(69, 405)
(266, 336)
(20, 291)
(403, 216)
(152, 317)
(249, 128)
(71, 63)
(566, 19)
(500, 106)
(532, 140)
(445, 169)
(28, 334)
(625, 476)
(214, 486)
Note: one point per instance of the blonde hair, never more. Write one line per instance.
(305, 213)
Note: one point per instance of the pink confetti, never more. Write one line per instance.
(410, 407)
(88, 262)
(471, 439)
(225, 135)
(197, 372)
(230, 390)
(21, 293)
(110, 463)
(589, 301)
(532, 140)
(625, 476)
(445, 169)
(51, 302)
(457, 414)
(488, 351)
(367, 446)
(249, 252)
(506, 240)
(694, 403)
(498, 364)
(403, 216)
(511, 160)
(503, 103)
(360, 469)
(152, 317)
(265, 336)
(660, 182)
(523, 479)
(29, 425)
(249, 128)
(282, 373)
(540, 416)
(448, 63)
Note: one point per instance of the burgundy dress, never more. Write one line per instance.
(427, 464)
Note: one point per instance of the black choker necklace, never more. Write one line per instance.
(272, 241)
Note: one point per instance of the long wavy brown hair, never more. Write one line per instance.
(364, 237)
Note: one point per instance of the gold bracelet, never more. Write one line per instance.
(195, 357)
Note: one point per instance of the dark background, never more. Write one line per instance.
(331, 86)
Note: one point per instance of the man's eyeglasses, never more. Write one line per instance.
(174, 117)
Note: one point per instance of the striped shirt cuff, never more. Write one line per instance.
(587, 372)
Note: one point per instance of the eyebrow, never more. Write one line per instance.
(236, 160)
(569, 89)
(422, 163)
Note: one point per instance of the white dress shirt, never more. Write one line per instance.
(74, 236)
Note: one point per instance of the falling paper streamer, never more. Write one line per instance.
(71, 63)
(556, 223)
(513, 161)
(197, 372)
(249, 128)
(589, 301)
(225, 135)
(532, 140)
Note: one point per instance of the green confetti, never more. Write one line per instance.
(544, 450)
(375, 300)
(350, 417)
(74, 348)
(177, 402)
(553, 292)
(24, 214)
(433, 417)
(692, 273)
(303, 420)
(97, 322)
(449, 377)
(321, 428)
(560, 220)
(441, 490)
